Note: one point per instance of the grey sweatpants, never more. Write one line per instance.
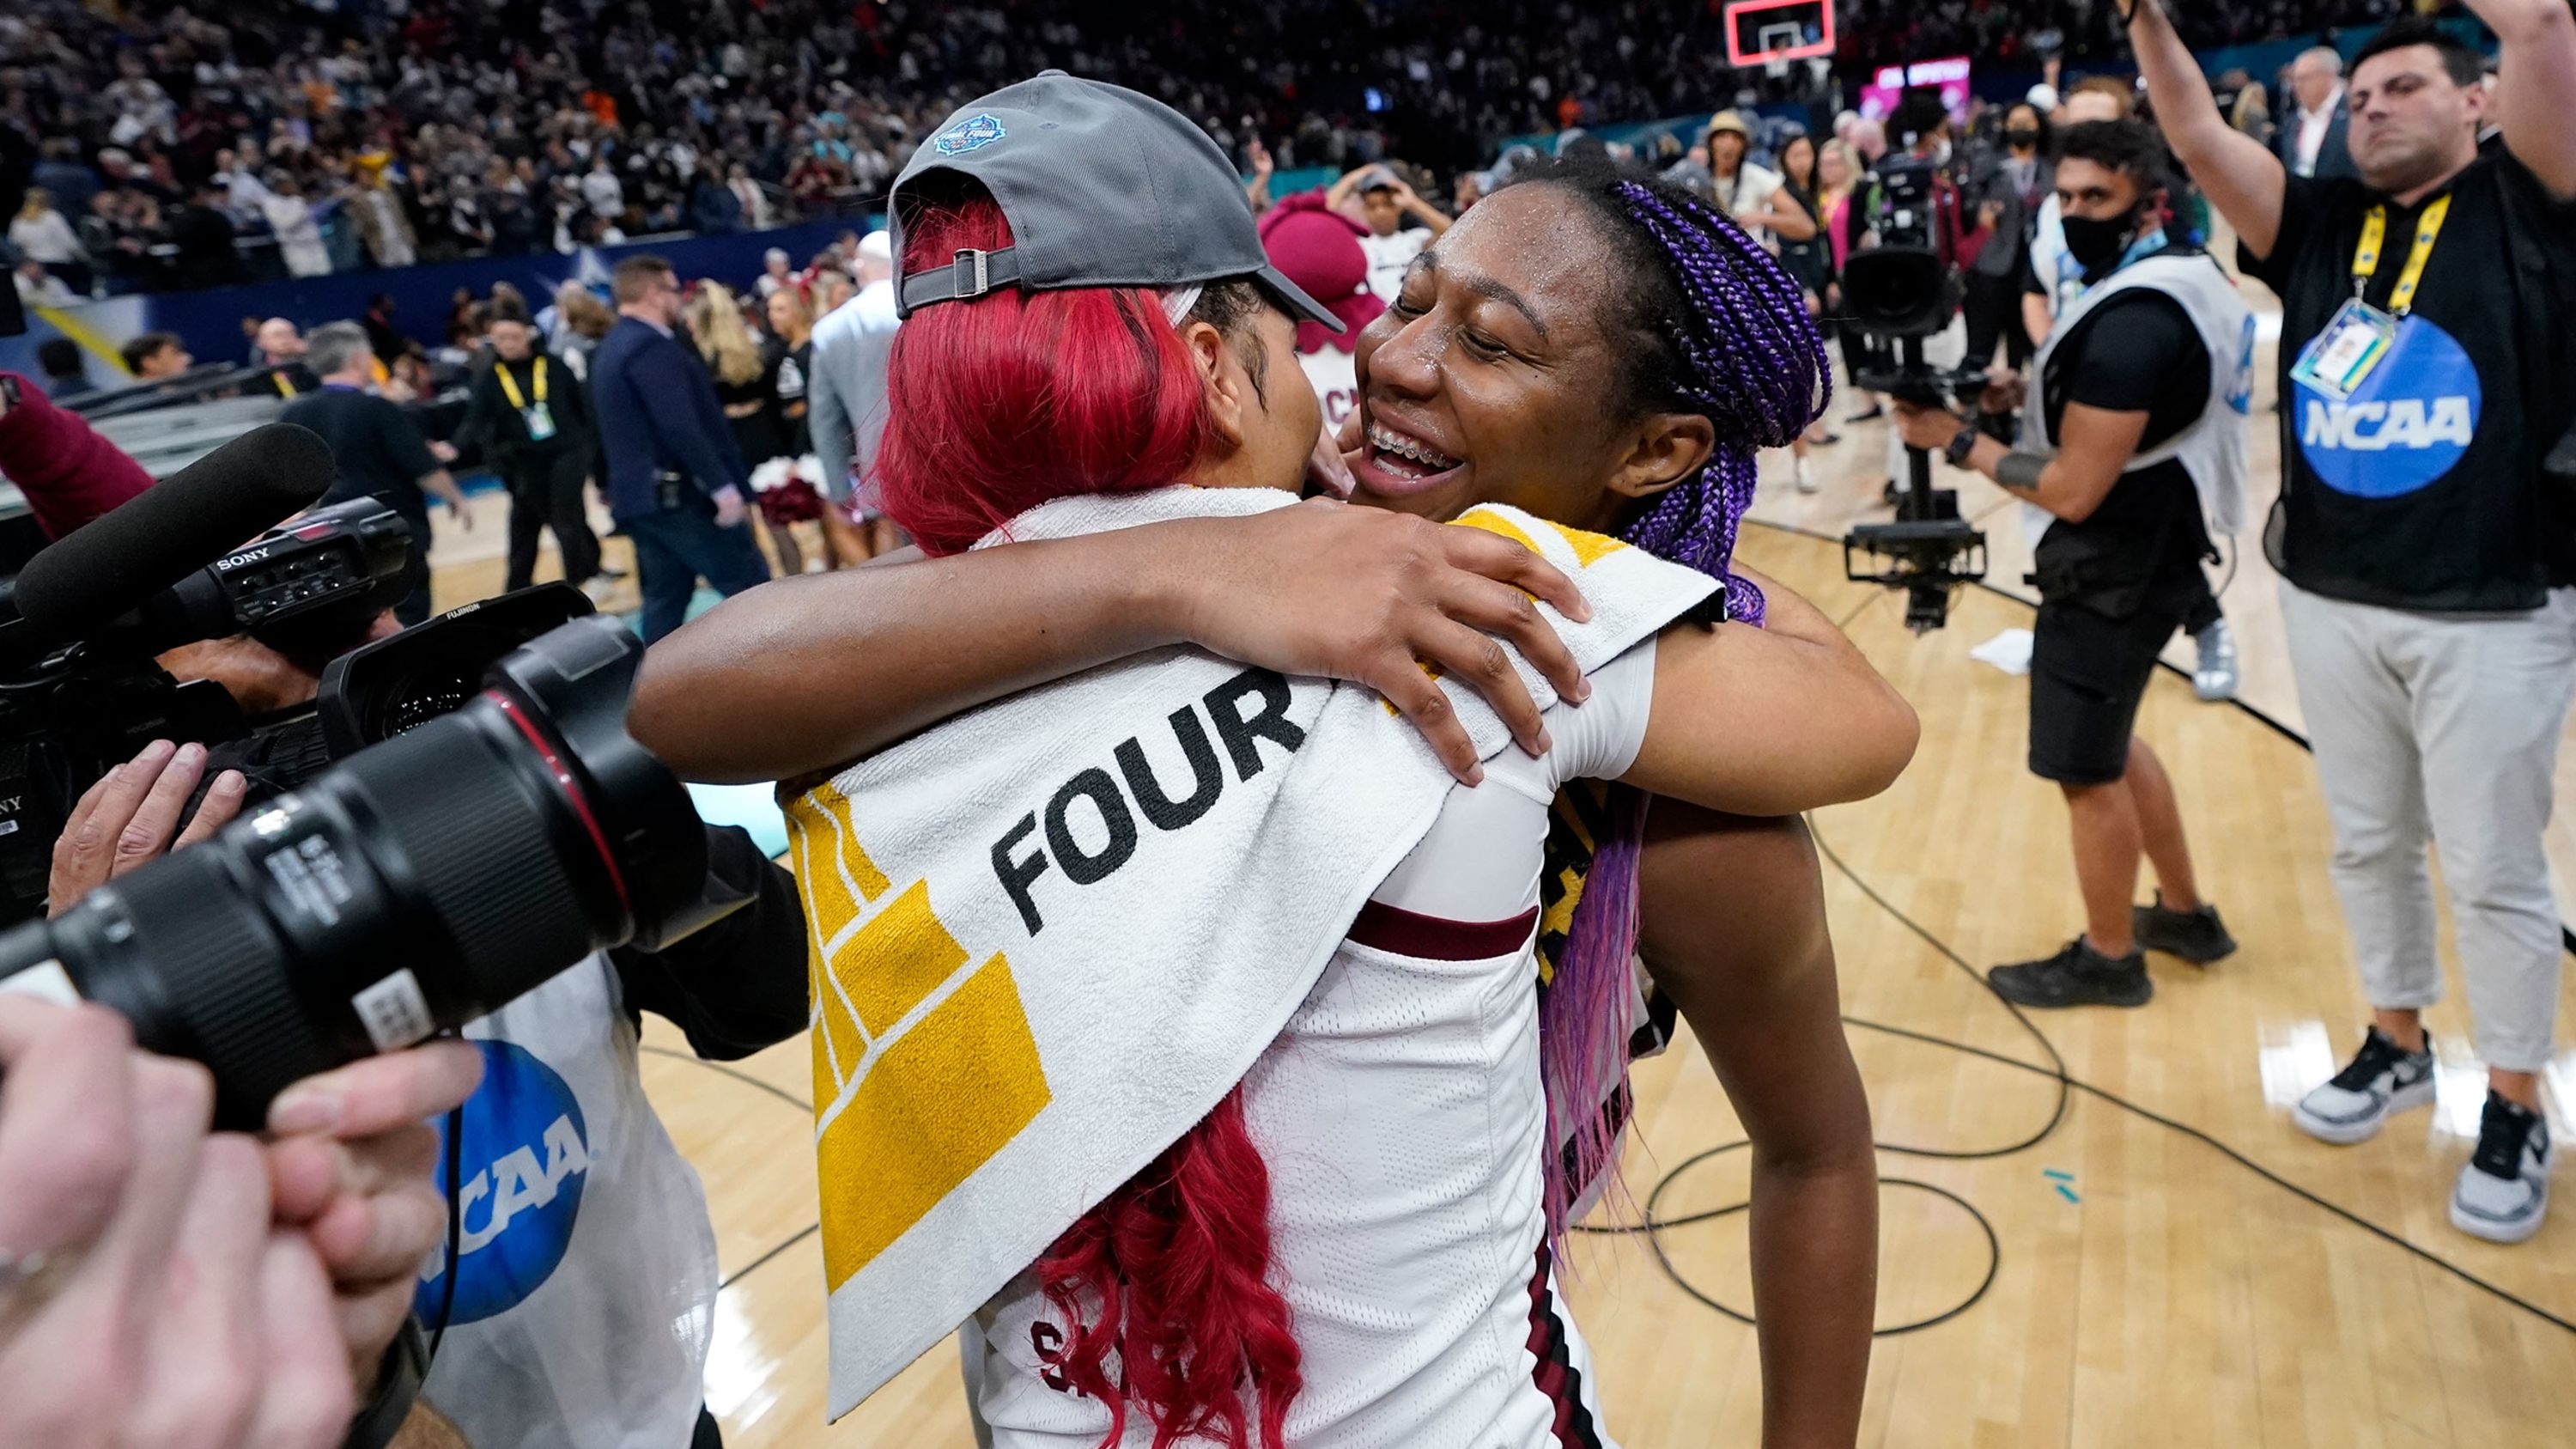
(2443, 728)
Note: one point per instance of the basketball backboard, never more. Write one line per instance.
(1763, 31)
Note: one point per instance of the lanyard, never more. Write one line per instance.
(2374, 233)
(510, 384)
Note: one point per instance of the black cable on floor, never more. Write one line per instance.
(1654, 1225)
(2057, 1072)
(738, 1074)
(756, 1264)
(782, 1094)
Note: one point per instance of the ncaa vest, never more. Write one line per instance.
(2213, 448)
(586, 1277)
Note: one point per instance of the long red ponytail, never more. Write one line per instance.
(995, 406)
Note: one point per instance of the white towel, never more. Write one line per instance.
(1052, 933)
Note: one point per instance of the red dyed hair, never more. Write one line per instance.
(995, 406)
(1000, 404)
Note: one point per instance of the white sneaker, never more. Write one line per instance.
(597, 588)
(2381, 1079)
(2503, 1192)
(2216, 678)
(1806, 473)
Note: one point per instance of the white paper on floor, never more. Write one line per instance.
(2008, 651)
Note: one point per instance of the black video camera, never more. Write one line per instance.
(70, 711)
(422, 882)
(1903, 295)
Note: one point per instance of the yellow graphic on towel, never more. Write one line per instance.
(1589, 548)
(923, 1068)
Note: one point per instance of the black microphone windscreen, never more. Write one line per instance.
(172, 529)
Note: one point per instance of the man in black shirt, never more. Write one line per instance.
(377, 449)
(532, 417)
(2428, 350)
(2139, 409)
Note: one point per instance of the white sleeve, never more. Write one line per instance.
(1599, 739)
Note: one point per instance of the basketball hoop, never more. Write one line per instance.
(1772, 33)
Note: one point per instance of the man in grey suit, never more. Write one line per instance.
(2311, 141)
(848, 392)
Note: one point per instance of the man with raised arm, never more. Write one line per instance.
(2428, 332)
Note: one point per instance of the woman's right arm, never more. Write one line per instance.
(835, 666)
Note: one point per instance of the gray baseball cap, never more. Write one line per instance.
(1102, 187)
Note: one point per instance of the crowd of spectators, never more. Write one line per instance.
(192, 147)
(2028, 32)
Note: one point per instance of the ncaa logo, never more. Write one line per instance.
(2409, 423)
(526, 1154)
(972, 134)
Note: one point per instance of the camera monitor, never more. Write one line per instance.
(1764, 31)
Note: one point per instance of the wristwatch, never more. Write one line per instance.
(1961, 444)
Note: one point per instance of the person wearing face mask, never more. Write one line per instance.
(2008, 192)
(2428, 368)
(2133, 442)
(2050, 281)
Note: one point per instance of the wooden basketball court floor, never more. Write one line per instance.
(2145, 1290)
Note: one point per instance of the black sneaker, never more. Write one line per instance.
(2076, 976)
(2198, 937)
(2503, 1191)
(2382, 1079)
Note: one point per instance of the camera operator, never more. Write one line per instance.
(569, 1183)
(2049, 281)
(2139, 410)
(162, 1284)
(2428, 307)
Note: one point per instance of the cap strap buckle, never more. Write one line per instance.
(972, 274)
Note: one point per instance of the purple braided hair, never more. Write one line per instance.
(1747, 356)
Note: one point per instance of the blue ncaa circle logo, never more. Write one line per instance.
(525, 1155)
(2408, 424)
(974, 133)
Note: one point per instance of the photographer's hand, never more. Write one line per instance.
(148, 1299)
(128, 818)
(350, 1163)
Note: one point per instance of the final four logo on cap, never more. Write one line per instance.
(972, 134)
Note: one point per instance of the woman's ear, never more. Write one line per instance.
(1668, 448)
(1222, 378)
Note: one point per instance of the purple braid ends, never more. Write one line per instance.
(1728, 336)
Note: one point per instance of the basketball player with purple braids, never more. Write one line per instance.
(1594, 347)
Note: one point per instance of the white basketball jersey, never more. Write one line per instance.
(1401, 1117)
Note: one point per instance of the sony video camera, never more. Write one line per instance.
(426, 880)
(80, 693)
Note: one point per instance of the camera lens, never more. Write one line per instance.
(415, 886)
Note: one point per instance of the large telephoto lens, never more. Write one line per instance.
(411, 888)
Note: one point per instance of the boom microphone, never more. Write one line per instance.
(119, 560)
